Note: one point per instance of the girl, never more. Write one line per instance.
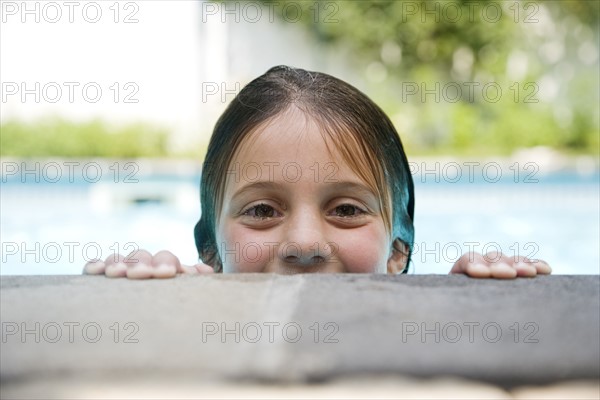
(304, 173)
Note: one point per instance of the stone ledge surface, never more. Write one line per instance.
(297, 330)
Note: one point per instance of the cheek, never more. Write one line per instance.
(360, 255)
(363, 250)
(242, 250)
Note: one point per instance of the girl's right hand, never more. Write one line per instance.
(141, 264)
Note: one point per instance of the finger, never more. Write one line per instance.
(115, 267)
(204, 269)
(502, 270)
(164, 271)
(542, 267)
(472, 264)
(528, 267)
(139, 271)
(165, 265)
(138, 257)
(197, 269)
(496, 257)
(94, 267)
(501, 266)
(478, 271)
(139, 265)
(525, 269)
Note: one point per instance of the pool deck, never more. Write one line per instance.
(257, 335)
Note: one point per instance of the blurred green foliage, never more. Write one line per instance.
(543, 56)
(55, 137)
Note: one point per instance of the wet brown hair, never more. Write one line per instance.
(358, 128)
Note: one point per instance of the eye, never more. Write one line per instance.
(261, 211)
(348, 211)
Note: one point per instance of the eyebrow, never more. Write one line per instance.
(334, 186)
(261, 185)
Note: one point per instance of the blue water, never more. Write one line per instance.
(53, 228)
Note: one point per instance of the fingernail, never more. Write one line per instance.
(164, 271)
(139, 271)
(503, 271)
(543, 267)
(527, 268)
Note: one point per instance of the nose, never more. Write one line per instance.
(303, 253)
(305, 243)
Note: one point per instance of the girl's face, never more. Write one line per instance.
(291, 207)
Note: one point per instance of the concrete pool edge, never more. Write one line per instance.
(537, 331)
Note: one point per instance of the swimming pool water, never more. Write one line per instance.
(54, 228)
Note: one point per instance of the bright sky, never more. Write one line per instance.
(155, 61)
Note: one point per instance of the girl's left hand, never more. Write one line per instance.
(500, 266)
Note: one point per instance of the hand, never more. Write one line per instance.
(141, 264)
(498, 265)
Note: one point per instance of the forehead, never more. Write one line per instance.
(292, 136)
